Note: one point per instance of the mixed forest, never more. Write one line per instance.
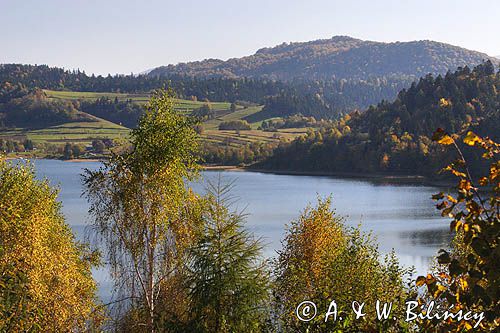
(182, 261)
(185, 262)
(396, 137)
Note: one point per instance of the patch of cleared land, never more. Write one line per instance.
(181, 104)
(86, 132)
(74, 132)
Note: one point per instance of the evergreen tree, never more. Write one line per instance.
(228, 281)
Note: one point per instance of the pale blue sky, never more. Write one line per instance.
(126, 36)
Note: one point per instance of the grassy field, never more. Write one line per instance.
(241, 138)
(85, 132)
(74, 132)
(232, 138)
(181, 104)
(240, 113)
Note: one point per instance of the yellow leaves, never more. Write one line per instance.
(494, 172)
(446, 140)
(463, 283)
(443, 102)
(464, 184)
(59, 289)
(467, 326)
(441, 137)
(346, 130)
(471, 138)
(472, 214)
(420, 281)
(430, 279)
(444, 276)
(439, 290)
(451, 199)
(474, 208)
(454, 171)
(384, 162)
(483, 181)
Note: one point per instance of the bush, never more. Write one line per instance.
(322, 260)
(468, 277)
(234, 125)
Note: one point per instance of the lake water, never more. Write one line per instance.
(401, 216)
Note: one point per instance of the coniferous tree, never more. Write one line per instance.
(228, 281)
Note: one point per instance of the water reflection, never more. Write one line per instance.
(432, 238)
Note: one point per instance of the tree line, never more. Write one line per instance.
(31, 108)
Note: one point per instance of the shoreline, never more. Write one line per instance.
(338, 174)
(409, 179)
(76, 160)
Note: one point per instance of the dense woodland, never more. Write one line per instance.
(323, 99)
(323, 78)
(22, 107)
(392, 137)
(340, 57)
(395, 137)
(126, 113)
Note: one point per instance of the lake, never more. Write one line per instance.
(401, 216)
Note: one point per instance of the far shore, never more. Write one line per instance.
(410, 179)
(340, 174)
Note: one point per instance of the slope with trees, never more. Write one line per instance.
(340, 57)
(396, 137)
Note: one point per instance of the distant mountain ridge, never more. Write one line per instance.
(340, 57)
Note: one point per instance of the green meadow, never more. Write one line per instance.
(84, 132)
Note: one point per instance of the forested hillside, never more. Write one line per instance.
(321, 99)
(396, 137)
(323, 78)
(22, 107)
(340, 57)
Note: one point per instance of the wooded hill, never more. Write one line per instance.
(340, 57)
(321, 99)
(324, 78)
(395, 137)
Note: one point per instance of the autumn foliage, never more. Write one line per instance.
(45, 278)
(323, 260)
(469, 276)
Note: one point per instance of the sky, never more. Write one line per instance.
(126, 36)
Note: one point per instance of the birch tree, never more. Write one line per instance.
(143, 213)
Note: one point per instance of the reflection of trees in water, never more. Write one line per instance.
(434, 237)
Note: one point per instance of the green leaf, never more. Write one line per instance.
(443, 257)
(480, 246)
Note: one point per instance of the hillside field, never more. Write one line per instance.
(85, 132)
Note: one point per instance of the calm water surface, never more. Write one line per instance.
(402, 217)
